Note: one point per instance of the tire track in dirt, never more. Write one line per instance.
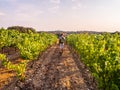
(53, 72)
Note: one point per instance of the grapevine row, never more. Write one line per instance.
(101, 53)
(29, 44)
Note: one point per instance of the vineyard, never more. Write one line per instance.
(89, 61)
(101, 53)
(30, 45)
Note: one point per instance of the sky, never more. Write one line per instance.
(68, 15)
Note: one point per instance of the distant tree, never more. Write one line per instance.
(22, 29)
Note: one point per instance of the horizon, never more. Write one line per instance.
(65, 30)
(66, 15)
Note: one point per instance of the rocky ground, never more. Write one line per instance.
(52, 71)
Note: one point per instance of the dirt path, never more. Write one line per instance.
(54, 72)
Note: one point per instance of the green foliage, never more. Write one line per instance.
(19, 68)
(29, 45)
(101, 53)
(2, 57)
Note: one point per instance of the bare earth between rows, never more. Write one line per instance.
(54, 72)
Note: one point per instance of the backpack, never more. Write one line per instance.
(61, 39)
